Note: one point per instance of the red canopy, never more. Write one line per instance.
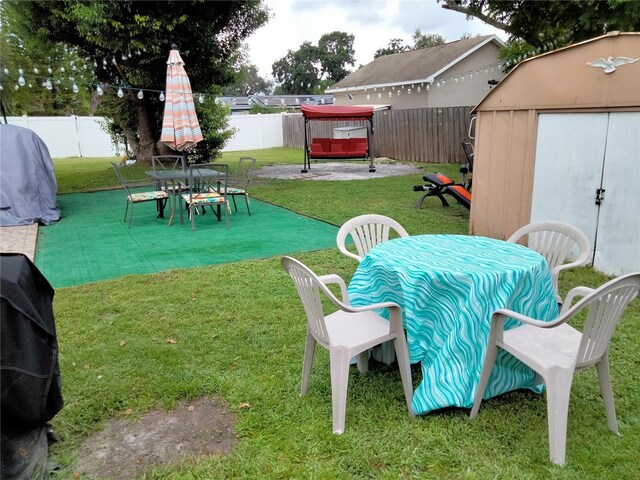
(329, 112)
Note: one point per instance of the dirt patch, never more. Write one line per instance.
(125, 449)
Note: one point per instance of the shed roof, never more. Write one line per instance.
(422, 65)
(564, 78)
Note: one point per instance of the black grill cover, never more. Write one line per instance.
(30, 384)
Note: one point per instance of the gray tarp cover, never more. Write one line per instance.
(27, 180)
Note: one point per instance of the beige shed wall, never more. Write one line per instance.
(506, 123)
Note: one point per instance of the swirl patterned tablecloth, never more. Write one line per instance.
(448, 287)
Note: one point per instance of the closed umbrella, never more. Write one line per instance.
(180, 127)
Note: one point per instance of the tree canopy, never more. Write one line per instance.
(127, 43)
(544, 25)
(314, 67)
(420, 40)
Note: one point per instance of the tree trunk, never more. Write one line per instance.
(146, 146)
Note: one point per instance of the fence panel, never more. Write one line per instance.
(429, 135)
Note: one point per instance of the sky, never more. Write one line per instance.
(373, 23)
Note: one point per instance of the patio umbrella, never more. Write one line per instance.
(180, 127)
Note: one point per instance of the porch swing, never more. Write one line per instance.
(320, 148)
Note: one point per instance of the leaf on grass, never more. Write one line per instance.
(244, 405)
(76, 475)
(191, 408)
(138, 460)
(87, 366)
(128, 411)
(122, 343)
(170, 340)
(233, 366)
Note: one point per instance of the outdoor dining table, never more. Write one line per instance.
(177, 178)
(448, 287)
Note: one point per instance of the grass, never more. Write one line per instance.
(239, 331)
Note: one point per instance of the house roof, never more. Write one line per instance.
(422, 65)
(331, 112)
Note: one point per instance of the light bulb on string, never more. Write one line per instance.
(120, 92)
(75, 88)
(138, 52)
(409, 91)
(21, 81)
(390, 94)
(368, 97)
(49, 70)
(6, 71)
(140, 95)
(427, 87)
(379, 95)
(201, 98)
(17, 87)
(99, 90)
(419, 89)
(48, 84)
(161, 96)
(62, 69)
(104, 61)
(129, 54)
(95, 63)
(36, 71)
(30, 86)
(1, 88)
(113, 60)
(124, 57)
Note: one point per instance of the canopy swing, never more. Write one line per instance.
(336, 148)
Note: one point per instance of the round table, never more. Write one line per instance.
(448, 287)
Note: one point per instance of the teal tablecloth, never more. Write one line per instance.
(448, 287)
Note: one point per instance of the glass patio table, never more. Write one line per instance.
(178, 177)
(448, 287)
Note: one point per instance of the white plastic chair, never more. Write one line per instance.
(556, 350)
(367, 231)
(555, 242)
(348, 332)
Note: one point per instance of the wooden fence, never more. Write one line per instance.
(429, 135)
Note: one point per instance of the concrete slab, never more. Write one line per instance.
(336, 171)
(19, 239)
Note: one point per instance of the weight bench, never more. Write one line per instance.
(440, 185)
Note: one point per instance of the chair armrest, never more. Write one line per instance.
(523, 318)
(333, 278)
(573, 293)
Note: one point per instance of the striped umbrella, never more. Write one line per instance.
(180, 127)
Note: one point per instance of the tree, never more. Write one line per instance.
(299, 71)
(396, 45)
(248, 82)
(335, 52)
(129, 42)
(557, 23)
(425, 40)
(312, 68)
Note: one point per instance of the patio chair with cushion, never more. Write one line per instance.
(556, 350)
(158, 196)
(204, 181)
(347, 332)
(169, 162)
(367, 231)
(238, 184)
(555, 241)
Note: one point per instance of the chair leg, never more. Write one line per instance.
(558, 384)
(233, 197)
(362, 362)
(309, 350)
(487, 368)
(607, 395)
(246, 199)
(339, 361)
(192, 217)
(402, 355)
(126, 210)
(131, 216)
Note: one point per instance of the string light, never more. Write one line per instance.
(140, 95)
(99, 90)
(161, 97)
(120, 92)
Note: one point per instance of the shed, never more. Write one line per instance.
(559, 139)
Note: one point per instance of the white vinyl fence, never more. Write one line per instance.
(85, 137)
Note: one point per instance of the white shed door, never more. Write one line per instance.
(568, 169)
(618, 241)
(577, 154)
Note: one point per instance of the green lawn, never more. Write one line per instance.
(239, 332)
